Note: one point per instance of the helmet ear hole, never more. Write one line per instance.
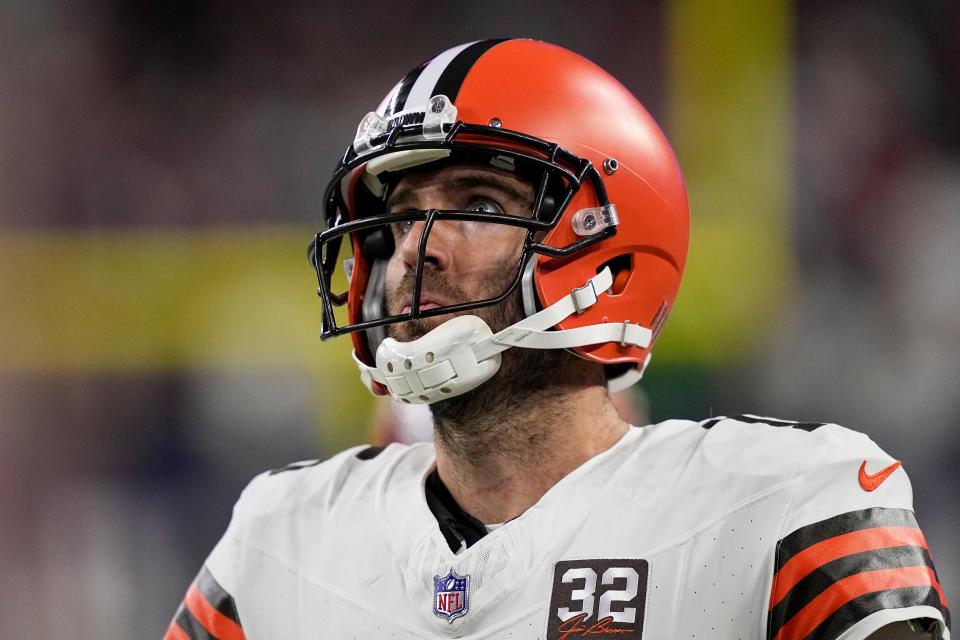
(621, 268)
(378, 245)
(547, 208)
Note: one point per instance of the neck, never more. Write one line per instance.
(498, 461)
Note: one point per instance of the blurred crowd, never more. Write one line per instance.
(200, 116)
(870, 337)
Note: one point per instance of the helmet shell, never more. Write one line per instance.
(551, 93)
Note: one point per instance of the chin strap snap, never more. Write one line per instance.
(463, 352)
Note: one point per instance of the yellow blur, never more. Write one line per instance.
(729, 119)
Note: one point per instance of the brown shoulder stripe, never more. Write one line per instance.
(216, 595)
(805, 426)
(811, 534)
(208, 612)
(833, 573)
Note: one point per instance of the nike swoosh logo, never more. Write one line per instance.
(869, 481)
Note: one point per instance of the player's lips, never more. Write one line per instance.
(426, 303)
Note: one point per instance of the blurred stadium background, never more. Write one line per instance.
(161, 166)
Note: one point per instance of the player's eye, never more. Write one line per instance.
(401, 229)
(484, 205)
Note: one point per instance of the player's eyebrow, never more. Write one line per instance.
(406, 196)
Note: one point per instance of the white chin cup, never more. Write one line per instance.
(440, 365)
(463, 352)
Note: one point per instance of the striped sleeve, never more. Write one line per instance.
(831, 574)
(207, 612)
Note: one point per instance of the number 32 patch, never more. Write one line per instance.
(596, 598)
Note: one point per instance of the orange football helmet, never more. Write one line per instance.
(610, 199)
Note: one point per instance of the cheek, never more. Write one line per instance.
(395, 271)
(484, 261)
(507, 244)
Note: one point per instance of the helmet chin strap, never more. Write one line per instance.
(463, 352)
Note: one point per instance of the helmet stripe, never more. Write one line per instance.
(452, 77)
(422, 90)
(398, 97)
(442, 75)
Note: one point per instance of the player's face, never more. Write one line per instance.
(464, 261)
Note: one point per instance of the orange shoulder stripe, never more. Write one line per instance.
(217, 624)
(801, 565)
(174, 632)
(845, 590)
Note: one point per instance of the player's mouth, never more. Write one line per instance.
(425, 305)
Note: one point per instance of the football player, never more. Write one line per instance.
(512, 228)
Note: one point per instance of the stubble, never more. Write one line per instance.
(492, 421)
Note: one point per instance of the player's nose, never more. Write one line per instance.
(439, 245)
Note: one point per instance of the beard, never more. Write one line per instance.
(523, 373)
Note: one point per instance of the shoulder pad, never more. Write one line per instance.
(754, 445)
(312, 483)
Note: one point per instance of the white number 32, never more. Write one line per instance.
(586, 595)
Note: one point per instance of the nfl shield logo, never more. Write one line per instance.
(450, 595)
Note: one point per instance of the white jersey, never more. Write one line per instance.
(731, 528)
